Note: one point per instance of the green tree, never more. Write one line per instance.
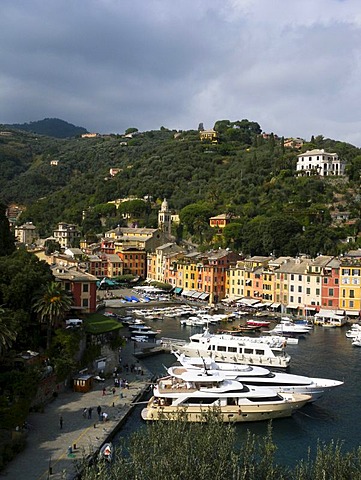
(7, 244)
(195, 217)
(135, 208)
(233, 236)
(21, 276)
(131, 130)
(51, 304)
(7, 330)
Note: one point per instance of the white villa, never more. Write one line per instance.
(320, 163)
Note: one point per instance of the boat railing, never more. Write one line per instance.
(176, 387)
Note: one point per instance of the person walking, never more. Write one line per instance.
(90, 411)
(61, 422)
(85, 412)
(99, 411)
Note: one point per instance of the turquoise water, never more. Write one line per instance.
(336, 416)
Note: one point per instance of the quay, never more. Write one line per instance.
(166, 345)
(51, 452)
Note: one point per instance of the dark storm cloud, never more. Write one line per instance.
(111, 64)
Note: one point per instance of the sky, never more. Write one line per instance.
(293, 66)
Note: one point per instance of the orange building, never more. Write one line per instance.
(134, 260)
(220, 221)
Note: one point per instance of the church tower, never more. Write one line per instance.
(164, 218)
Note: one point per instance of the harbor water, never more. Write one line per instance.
(326, 353)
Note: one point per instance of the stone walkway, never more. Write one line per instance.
(51, 451)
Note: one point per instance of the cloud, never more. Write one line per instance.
(110, 64)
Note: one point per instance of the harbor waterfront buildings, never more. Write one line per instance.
(300, 285)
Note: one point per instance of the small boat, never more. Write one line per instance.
(262, 314)
(240, 330)
(287, 327)
(106, 452)
(258, 323)
(357, 341)
(354, 331)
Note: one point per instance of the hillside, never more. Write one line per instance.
(51, 127)
(245, 175)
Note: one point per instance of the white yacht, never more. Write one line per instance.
(260, 376)
(264, 351)
(192, 394)
(287, 327)
(354, 331)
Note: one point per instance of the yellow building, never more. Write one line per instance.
(209, 135)
(350, 284)
(246, 279)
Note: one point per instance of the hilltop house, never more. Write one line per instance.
(319, 162)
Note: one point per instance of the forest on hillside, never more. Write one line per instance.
(245, 175)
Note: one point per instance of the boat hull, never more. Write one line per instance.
(250, 412)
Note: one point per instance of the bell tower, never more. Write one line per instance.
(164, 218)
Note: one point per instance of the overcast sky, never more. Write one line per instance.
(293, 66)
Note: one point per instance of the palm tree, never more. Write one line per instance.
(52, 304)
(7, 331)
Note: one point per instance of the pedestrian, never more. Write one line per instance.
(105, 417)
(61, 422)
(104, 391)
(90, 410)
(85, 412)
(113, 390)
(99, 412)
(126, 385)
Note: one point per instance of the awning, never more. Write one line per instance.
(186, 293)
(266, 304)
(310, 308)
(351, 313)
(275, 305)
(178, 290)
(323, 313)
(295, 307)
(248, 301)
(227, 300)
(204, 296)
(258, 305)
(196, 294)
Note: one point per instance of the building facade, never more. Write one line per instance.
(67, 235)
(319, 162)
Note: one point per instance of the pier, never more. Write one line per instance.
(53, 448)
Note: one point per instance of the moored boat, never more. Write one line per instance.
(106, 452)
(265, 351)
(254, 322)
(192, 394)
(287, 327)
(260, 376)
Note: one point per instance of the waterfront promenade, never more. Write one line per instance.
(50, 452)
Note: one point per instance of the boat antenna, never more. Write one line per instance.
(205, 366)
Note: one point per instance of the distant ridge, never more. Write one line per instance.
(51, 127)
